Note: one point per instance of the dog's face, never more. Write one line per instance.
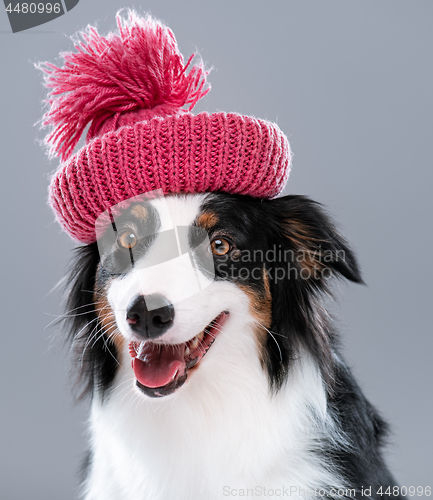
(181, 276)
(173, 274)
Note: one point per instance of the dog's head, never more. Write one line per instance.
(172, 278)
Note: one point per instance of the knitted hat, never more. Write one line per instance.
(136, 93)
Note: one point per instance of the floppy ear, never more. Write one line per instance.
(95, 356)
(309, 252)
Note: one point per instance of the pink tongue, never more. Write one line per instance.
(156, 365)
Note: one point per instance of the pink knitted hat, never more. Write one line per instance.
(132, 88)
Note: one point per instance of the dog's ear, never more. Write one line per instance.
(309, 251)
(310, 238)
(95, 356)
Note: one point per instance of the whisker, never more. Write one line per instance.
(58, 285)
(76, 336)
(264, 327)
(103, 330)
(257, 322)
(67, 314)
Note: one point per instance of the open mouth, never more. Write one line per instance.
(160, 369)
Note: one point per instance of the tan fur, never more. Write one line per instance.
(207, 220)
(305, 245)
(261, 310)
(107, 319)
(140, 212)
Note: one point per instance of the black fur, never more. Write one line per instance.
(95, 357)
(362, 464)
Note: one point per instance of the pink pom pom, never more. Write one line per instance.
(138, 68)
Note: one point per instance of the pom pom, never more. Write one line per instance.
(138, 68)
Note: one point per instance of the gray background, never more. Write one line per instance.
(350, 83)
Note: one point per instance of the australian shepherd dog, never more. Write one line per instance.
(200, 332)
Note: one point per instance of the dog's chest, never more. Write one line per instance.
(205, 444)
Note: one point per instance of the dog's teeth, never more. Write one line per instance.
(195, 342)
(187, 351)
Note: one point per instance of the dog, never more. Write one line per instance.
(199, 329)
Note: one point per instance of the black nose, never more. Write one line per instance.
(152, 323)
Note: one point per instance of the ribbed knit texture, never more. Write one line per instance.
(222, 152)
(143, 140)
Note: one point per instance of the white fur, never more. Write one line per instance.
(223, 431)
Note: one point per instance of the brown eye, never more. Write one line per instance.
(219, 246)
(127, 239)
